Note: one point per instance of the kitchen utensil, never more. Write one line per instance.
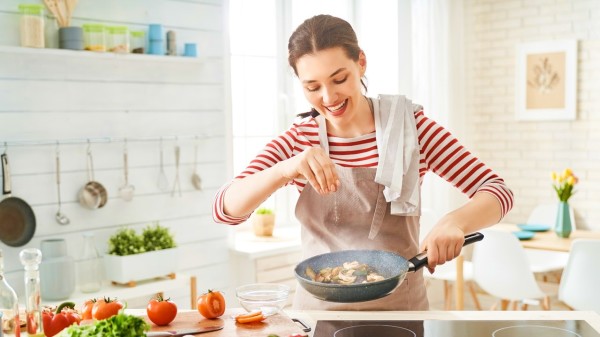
(177, 184)
(93, 195)
(269, 298)
(194, 331)
(17, 220)
(126, 191)
(388, 264)
(196, 180)
(163, 181)
(60, 217)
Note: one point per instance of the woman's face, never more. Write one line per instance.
(331, 83)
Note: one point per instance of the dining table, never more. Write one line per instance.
(544, 240)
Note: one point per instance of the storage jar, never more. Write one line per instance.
(57, 270)
(138, 42)
(94, 37)
(118, 39)
(32, 25)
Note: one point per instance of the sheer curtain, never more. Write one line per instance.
(437, 84)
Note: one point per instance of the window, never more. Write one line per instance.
(265, 93)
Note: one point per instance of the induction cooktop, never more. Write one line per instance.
(438, 328)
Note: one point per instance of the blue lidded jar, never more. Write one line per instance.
(156, 39)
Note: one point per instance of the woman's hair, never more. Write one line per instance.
(319, 33)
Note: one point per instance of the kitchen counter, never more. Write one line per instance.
(280, 323)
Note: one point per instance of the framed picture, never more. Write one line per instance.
(546, 83)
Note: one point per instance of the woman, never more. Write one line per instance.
(358, 163)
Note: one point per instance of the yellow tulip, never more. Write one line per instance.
(568, 172)
(554, 176)
(571, 180)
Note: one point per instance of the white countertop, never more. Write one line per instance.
(310, 317)
(284, 239)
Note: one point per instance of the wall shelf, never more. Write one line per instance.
(98, 55)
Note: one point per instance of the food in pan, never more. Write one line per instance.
(348, 273)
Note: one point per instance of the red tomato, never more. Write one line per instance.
(161, 312)
(86, 311)
(105, 308)
(211, 304)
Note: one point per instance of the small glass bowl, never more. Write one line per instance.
(269, 298)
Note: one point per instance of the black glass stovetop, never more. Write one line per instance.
(437, 328)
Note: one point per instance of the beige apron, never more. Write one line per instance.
(344, 220)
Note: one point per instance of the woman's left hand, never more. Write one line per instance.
(443, 243)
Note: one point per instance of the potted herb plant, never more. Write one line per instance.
(133, 257)
(263, 221)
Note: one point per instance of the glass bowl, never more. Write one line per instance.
(269, 298)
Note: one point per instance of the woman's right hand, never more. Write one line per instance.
(314, 165)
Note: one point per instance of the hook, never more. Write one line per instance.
(5, 147)
(125, 145)
(89, 147)
(57, 147)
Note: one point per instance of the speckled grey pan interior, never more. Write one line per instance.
(389, 265)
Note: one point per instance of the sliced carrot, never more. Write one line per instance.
(250, 317)
(250, 314)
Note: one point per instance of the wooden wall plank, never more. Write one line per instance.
(55, 95)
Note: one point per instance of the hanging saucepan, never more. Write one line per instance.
(17, 220)
(93, 195)
(391, 266)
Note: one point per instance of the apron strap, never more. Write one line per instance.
(379, 213)
(322, 122)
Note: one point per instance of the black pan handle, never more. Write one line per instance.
(420, 260)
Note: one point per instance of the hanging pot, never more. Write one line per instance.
(93, 195)
(17, 220)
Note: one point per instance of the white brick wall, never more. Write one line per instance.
(525, 153)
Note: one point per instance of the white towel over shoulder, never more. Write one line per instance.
(398, 147)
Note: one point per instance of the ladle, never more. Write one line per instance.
(163, 182)
(126, 191)
(60, 217)
(196, 180)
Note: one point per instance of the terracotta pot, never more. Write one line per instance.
(263, 224)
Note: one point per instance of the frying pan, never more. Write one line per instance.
(388, 264)
(17, 220)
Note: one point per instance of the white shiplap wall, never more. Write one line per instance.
(54, 95)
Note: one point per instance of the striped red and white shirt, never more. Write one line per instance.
(440, 152)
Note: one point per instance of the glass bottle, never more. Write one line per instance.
(9, 306)
(89, 268)
(31, 259)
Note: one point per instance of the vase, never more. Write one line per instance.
(562, 226)
(57, 270)
(263, 224)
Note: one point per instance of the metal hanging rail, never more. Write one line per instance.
(7, 144)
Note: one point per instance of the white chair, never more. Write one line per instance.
(501, 268)
(581, 277)
(545, 261)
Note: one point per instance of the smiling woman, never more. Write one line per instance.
(358, 163)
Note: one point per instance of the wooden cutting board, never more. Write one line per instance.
(279, 324)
